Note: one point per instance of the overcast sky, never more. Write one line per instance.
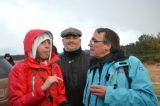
(129, 18)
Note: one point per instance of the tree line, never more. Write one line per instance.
(147, 48)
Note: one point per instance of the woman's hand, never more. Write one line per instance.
(49, 81)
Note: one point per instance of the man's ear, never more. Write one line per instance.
(108, 47)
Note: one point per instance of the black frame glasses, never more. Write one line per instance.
(92, 42)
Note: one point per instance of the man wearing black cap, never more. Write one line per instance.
(74, 64)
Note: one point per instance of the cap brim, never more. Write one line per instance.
(70, 34)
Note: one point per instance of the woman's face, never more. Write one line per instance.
(43, 50)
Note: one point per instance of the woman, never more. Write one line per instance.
(37, 81)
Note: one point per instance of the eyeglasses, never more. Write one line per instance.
(92, 42)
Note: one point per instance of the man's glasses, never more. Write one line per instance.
(92, 42)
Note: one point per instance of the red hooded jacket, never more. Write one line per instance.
(25, 82)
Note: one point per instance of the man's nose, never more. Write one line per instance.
(89, 44)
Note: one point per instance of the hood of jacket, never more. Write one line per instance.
(28, 42)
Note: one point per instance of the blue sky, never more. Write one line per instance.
(129, 18)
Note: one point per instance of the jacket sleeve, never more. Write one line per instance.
(141, 92)
(17, 87)
(61, 87)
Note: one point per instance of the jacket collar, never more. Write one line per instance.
(114, 56)
(32, 63)
(72, 54)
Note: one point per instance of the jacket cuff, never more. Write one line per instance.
(38, 93)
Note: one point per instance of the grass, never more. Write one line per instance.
(154, 71)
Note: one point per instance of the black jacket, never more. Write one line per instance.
(74, 66)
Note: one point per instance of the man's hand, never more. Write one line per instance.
(98, 90)
(49, 81)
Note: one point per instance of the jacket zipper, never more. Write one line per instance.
(33, 83)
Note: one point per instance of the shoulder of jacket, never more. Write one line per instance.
(20, 64)
(86, 53)
(55, 64)
(60, 55)
(19, 68)
(131, 60)
(134, 61)
(121, 63)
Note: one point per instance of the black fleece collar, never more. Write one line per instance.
(114, 56)
(72, 54)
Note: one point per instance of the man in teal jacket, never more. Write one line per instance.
(114, 79)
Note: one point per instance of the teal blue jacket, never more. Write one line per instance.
(141, 92)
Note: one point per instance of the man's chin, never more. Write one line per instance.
(92, 54)
(72, 49)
